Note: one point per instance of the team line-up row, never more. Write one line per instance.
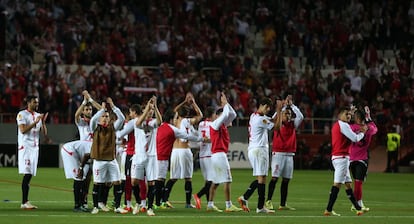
(133, 150)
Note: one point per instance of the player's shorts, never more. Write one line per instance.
(28, 158)
(71, 163)
(162, 169)
(259, 160)
(145, 167)
(206, 168)
(105, 171)
(181, 163)
(282, 164)
(341, 166)
(359, 169)
(221, 168)
(151, 171)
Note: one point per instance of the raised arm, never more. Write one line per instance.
(157, 112)
(181, 104)
(277, 118)
(199, 115)
(93, 102)
(86, 98)
(79, 111)
(128, 128)
(227, 116)
(144, 114)
(120, 116)
(299, 116)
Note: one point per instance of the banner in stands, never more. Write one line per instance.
(237, 155)
(48, 155)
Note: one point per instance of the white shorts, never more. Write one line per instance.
(341, 166)
(105, 171)
(221, 168)
(259, 160)
(181, 163)
(28, 158)
(146, 167)
(162, 169)
(282, 165)
(71, 162)
(206, 168)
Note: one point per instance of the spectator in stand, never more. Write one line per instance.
(370, 55)
(242, 30)
(78, 41)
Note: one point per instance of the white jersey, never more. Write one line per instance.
(259, 125)
(204, 130)
(186, 126)
(78, 148)
(30, 138)
(145, 135)
(85, 132)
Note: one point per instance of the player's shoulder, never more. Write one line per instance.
(22, 114)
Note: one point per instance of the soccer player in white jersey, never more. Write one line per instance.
(29, 123)
(73, 153)
(144, 161)
(83, 115)
(258, 151)
(220, 141)
(204, 156)
(181, 156)
(140, 191)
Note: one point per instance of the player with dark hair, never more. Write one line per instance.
(259, 126)
(205, 156)
(181, 155)
(342, 138)
(288, 119)
(29, 123)
(166, 135)
(139, 191)
(220, 140)
(358, 154)
(105, 166)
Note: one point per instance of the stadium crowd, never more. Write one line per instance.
(182, 38)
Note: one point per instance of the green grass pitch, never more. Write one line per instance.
(389, 196)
